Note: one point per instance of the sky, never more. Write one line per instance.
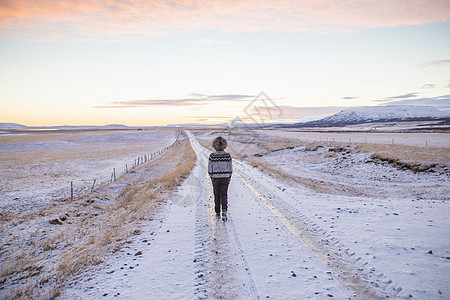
(151, 63)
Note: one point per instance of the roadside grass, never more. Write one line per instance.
(408, 154)
(54, 254)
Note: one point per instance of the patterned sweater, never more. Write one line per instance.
(219, 165)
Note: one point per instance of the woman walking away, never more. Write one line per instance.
(220, 170)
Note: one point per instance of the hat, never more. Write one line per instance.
(219, 143)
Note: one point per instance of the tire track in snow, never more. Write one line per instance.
(347, 270)
(269, 265)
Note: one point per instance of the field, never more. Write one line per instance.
(40, 167)
(352, 163)
(381, 203)
(349, 215)
(47, 237)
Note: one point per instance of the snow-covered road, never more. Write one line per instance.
(254, 254)
(267, 249)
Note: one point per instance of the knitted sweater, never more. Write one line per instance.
(219, 165)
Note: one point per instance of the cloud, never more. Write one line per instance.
(349, 98)
(428, 86)
(212, 42)
(194, 99)
(293, 111)
(435, 63)
(438, 102)
(196, 95)
(290, 114)
(404, 96)
(137, 19)
(393, 98)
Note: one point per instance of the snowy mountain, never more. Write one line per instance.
(11, 126)
(116, 126)
(368, 114)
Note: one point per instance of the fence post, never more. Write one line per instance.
(92, 189)
(71, 190)
(114, 172)
(126, 168)
(426, 144)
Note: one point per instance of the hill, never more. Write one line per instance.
(370, 114)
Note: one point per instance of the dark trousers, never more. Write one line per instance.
(220, 186)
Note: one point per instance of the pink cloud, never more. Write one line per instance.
(292, 111)
(140, 18)
(193, 99)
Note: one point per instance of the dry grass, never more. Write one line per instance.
(407, 154)
(410, 154)
(56, 253)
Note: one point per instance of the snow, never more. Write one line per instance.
(166, 262)
(359, 173)
(409, 139)
(38, 168)
(11, 126)
(286, 241)
(252, 255)
(389, 238)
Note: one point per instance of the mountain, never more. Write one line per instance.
(116, 126)
(369, 114)
(10, 126)
(14, 126)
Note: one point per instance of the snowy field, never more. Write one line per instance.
(418, 139)
(339, 225)
(38, 168)
(44, 241)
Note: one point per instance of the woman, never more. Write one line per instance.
(220, 169)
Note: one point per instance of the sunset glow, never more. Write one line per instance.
(175, 62)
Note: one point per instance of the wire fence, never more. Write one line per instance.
(82, 186)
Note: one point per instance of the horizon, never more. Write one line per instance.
(255, 121)
(145, 63)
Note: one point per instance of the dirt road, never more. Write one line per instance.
(266, 249)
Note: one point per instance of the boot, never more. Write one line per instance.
(224, 215)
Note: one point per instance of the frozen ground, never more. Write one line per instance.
(358, 173)
(420, 139)
(282, 241)
(38, 168)
(44, 245)
(191, 254)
